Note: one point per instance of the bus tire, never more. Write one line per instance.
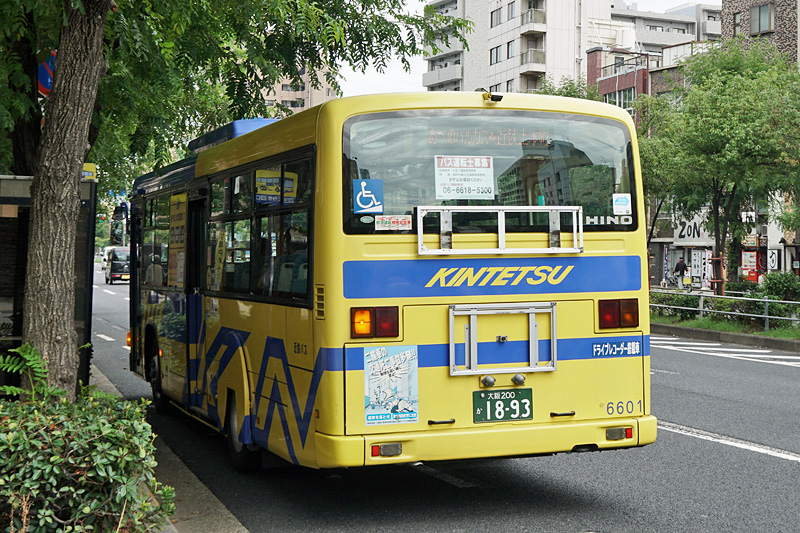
(241, 457)
(160, 401)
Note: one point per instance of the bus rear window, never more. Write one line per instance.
(394, 162)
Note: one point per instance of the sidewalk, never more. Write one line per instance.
(197, 509)
(786, 345)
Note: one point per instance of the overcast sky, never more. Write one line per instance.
(397, 80)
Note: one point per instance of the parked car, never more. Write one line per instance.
(117, 261)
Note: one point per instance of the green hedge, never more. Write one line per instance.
(83, 466)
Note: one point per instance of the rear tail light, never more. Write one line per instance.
(374, 322)
(619, 313)
(619, 433)
(386, 322)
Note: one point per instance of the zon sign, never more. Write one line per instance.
(692, 233)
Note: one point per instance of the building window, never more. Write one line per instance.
(737, 23)
(496, 17)
(512, 10)
(655, 28)
(762, 19)
(510, 50)
(495, 55)
(510, 86)
(494, 88)
(623, 98)
(678, 30)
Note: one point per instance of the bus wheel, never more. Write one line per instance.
(160, 402)
(242, 458)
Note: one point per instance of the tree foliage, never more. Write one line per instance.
(731, 139)
(571, 87)
(133, 86)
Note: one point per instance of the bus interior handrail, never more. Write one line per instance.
(554, 231)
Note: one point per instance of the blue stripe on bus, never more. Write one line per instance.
(516, 352)
(490, 277)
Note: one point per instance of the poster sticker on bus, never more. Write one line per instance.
(391, 389)
(464, 177)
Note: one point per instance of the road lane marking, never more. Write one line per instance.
(729, 441)
(105, 337)
(660, 342)
(109, 292)
(655, 370)
(754, 359)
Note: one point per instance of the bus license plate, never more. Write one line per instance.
(502, 405)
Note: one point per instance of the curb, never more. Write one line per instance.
(786, 345)
(196, 507)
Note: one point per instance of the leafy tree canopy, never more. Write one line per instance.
(571, 87)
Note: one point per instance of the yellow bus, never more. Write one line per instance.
(441, 276)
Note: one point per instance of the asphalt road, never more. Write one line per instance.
(727, 458)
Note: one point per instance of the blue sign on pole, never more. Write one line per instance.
(46, 69)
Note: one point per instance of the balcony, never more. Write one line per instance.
(533, 21)
(532, 61)
(712, 27)
(442, 75)
(455, 46)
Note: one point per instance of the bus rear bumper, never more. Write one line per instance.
(482, 442)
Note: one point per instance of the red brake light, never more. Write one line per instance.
(387, 322)
(609, 313)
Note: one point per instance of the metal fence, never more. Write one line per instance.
(789, 310)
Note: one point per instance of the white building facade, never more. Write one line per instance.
(516, 43)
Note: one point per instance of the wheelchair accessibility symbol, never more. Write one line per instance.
(368, 196)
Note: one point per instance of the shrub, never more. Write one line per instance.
(674, 302)
(83, 466)
(781, 286)
(740, 286)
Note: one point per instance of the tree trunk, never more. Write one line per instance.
(49, 307)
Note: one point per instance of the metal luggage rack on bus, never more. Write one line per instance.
(471, 365)
(446, 229)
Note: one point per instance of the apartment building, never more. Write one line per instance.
(775, 20)
(656, 30)
(661, 39)
(515, 44)
(300, 96)
(707, 16)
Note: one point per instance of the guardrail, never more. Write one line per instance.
(706, 306)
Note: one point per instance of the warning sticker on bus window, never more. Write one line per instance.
(464, 177)
(393, 222)
(391, 388)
